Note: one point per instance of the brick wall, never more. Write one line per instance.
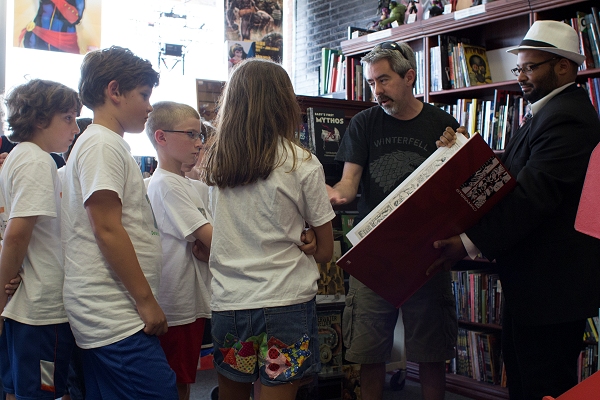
(322, 23)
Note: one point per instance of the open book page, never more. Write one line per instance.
(404, 190)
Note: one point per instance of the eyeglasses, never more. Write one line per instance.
(393, 46)
(191, 134)
(529, 68)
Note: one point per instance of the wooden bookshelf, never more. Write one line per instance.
(462, 385)
(502, 24)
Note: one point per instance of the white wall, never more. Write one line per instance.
(135, 24)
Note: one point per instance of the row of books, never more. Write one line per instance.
(478, 297)
(360, 89)
(333, 71)
(587, 363)
(457, 63)
(591, 330)
(593, 88)
(478, 356)
(587, 26)
(494, 119)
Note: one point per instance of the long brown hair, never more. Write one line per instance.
(257, 111)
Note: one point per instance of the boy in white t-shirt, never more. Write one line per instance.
(36, 339)
(177, 134)
(112, 246)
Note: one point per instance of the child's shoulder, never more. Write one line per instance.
(98, 135)
(165, 181)
(28, 152)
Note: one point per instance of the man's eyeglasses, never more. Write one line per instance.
(191, 134)
(393, 46)
(529, 68)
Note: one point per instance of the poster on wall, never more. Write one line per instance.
(258, 21)
(69, 26)
(238, 51)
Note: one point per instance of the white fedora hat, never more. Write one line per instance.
(554, 37)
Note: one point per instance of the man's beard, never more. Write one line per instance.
(547, 84)
(391, 108)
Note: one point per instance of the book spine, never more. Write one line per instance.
(584, 40)
(592, 30)
(595, 19)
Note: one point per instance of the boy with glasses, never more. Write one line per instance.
(177, 134)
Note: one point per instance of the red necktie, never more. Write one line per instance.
(528, 115)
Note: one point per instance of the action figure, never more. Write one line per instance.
(412, 7)
(53, 28)
(436, 9)
(397, 12)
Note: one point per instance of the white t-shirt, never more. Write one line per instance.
(183, 294)
(30, 187)
(100, 309)
(203, 190)
(255, 259)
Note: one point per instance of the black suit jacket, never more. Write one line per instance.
(550, 273)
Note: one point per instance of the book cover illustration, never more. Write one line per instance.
(477, 65)
(447, 194)
(351, 382)
(238, 51)
(304, 137)
(253, 20)
(347, 225)
(330, 341)
(326, 128)
(331, 276)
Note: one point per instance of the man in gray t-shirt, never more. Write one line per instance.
(381, 147)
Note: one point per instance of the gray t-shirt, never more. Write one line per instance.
(389, 149)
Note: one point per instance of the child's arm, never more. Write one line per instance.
(203, 235)
(310, 242)
(104, 211)
(16, 240)
(324, 235)
(11, 287)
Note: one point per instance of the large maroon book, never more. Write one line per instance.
(588, 213)
(447, 194)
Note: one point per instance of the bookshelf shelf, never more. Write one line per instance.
(478, 326)
(482, 91)
(502, 24)
(462, 385)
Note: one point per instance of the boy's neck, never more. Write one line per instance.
(169, 164)
(108, 120)
(39, 141)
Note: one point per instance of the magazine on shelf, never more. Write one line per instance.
(447, 194)
(326, 127)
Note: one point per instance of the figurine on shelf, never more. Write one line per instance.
(412, 6)
(381, 5)
(385, 14)
(436, 8)
(397, 12)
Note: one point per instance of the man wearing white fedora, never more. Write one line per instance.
(550, 273)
